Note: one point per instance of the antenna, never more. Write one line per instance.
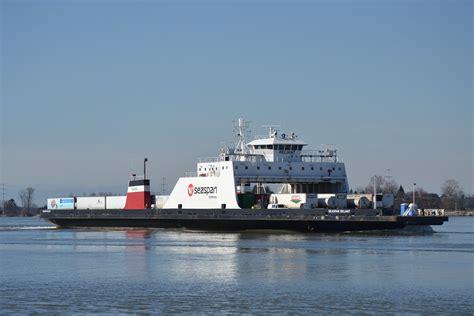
(272, 133)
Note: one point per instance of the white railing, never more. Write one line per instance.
(208, 159)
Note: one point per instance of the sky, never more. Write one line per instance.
(90, 88)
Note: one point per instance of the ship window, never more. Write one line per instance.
(277, 147)
(258, 168)
(294, 147)
(236, 167)
(312, 168)
(199, 169)
(279, 168)
(270, 146)
(339, 168)
(302, 168)
(333, 168)
(321, 168)
(287, 147)
(222, 167)
(205, 169)
(291, 168)
(246, 167)
(269, 168)
(300, 147)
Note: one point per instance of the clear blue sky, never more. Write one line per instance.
(89, 86)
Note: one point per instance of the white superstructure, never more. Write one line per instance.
(239, 177)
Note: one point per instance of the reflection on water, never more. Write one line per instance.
(177, 271)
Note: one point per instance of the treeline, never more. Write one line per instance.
(452, 194)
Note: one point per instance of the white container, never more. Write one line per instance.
(61, 203)
(115, 202)
(295, 200)
(90, 203)
(160, 200)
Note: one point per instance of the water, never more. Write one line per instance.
(49, 270)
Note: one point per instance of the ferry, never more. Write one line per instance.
(262, 183)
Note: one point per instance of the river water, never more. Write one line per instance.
(48, 270)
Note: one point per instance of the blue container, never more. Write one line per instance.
(403, 208)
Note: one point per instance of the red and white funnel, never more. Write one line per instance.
(138, 193)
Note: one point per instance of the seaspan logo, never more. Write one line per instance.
(190, 190)
(201, 190)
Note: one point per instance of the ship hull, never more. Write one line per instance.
(239, 219)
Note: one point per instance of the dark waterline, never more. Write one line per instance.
(48, 270)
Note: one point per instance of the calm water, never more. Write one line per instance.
(48, 270)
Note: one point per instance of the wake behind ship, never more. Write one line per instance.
(233, 191)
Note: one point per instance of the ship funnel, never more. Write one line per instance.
(138, 193)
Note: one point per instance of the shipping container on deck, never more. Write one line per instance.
(115, 202)
(61, 203)
(160, 200)
(90, 203)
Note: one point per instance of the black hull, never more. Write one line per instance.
(236, 220)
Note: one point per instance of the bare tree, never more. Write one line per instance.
(382, 185)
(26, 197)
(452, 194)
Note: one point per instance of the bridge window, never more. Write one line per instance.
(270, 146)
(294, 147)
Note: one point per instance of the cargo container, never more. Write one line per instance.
(160, 200)
(296, 200)
(61, 203)
(339, 200)
(90, 203)
(115, 202)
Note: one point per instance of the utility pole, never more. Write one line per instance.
(414, 190)
(375, 195)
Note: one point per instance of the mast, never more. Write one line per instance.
(241, 127)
